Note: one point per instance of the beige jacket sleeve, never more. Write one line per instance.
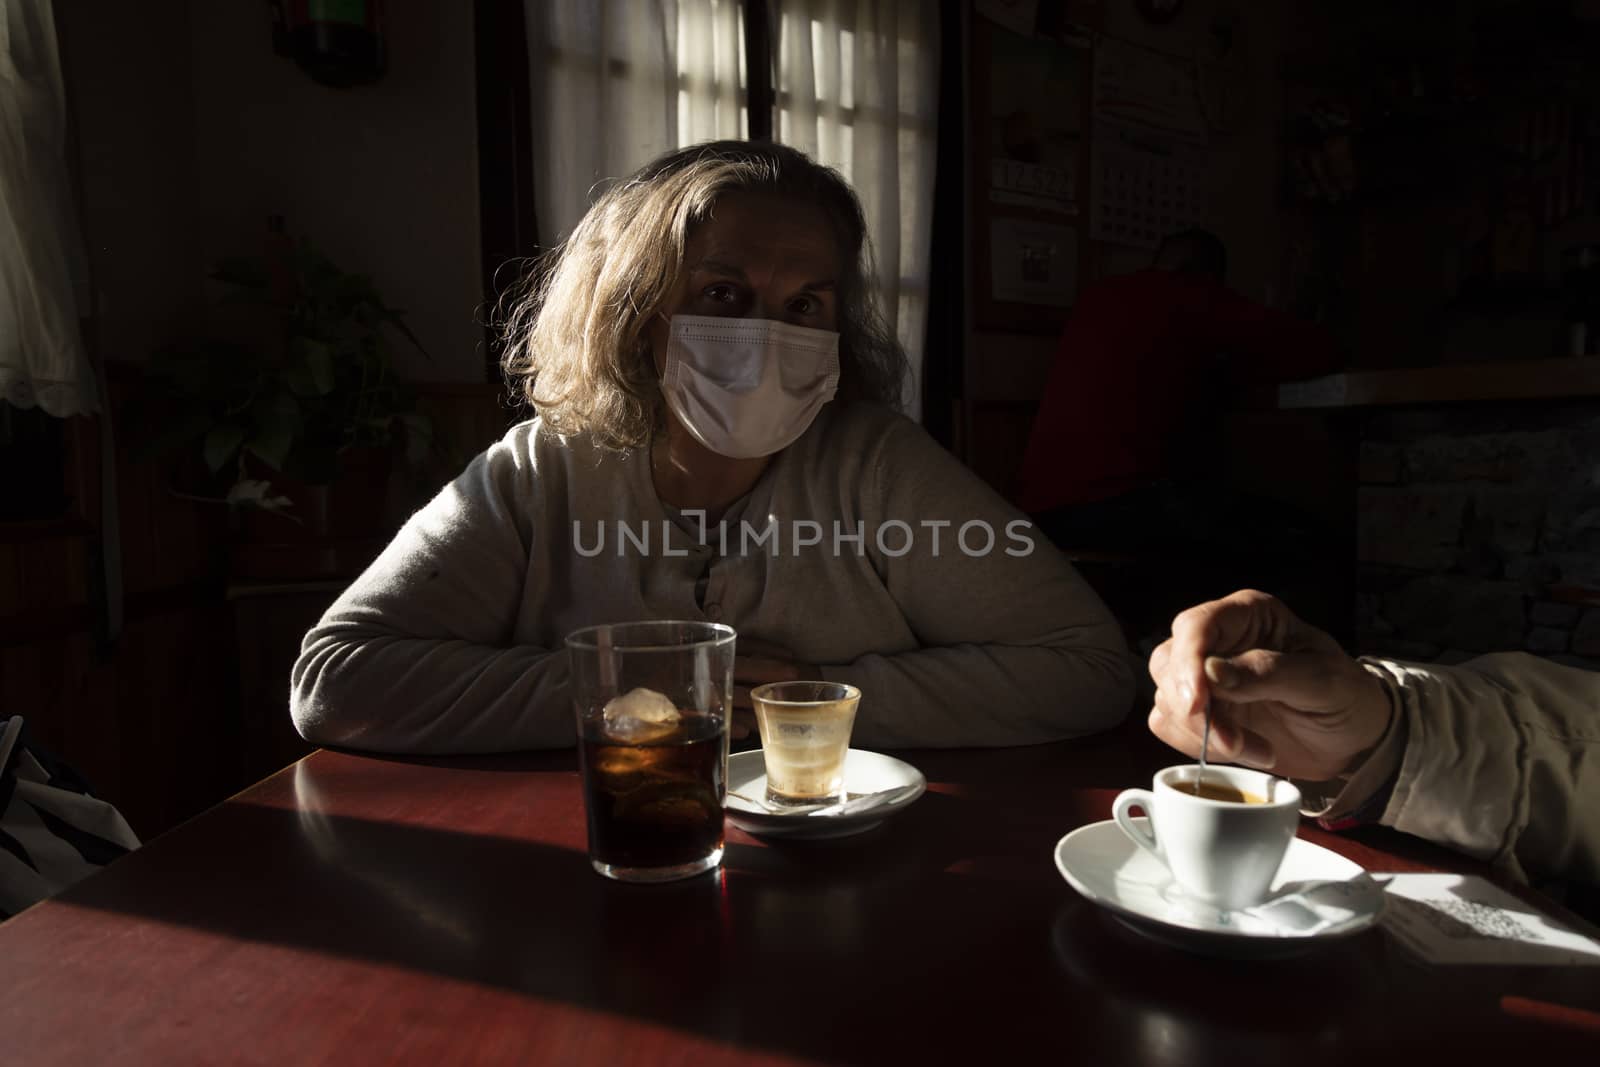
(1498, 758)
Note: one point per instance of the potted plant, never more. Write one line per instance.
(296, 434)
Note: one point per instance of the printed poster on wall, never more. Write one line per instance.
(1033, 262)
(1036, 91)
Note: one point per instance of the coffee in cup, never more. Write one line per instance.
(1224, 845)
(1213, 790)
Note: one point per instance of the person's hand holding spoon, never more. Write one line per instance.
(1277, 694)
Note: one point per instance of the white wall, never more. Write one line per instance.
(383, 177)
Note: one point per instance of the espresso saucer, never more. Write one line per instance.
(876, 787)
(1318, 896)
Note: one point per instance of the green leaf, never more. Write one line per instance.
(254, 493)
(356, 294)
(278, 422)
(300, 380)
(173, 434)
(397, 320)
(222, 443)
(318, 359)
(419, 436)
(271, 449)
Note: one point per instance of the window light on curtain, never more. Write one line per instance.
(615, 83)
(43, 268)
(858, 89)
(42, 360)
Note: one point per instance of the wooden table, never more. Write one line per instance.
(353, 909)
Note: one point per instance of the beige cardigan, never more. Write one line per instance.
(451, 641)
(1498, 757)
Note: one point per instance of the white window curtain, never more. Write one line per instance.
(858, 89)
(617, 82)
(42, 360)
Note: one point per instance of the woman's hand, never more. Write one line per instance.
(1284, 696)
(759, 664)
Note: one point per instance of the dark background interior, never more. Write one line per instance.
(1457, 457)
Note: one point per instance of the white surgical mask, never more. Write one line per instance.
(747, 387)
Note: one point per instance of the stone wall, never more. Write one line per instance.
(1479, 531)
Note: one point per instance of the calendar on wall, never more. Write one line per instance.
(1148, 153)
(1145, 184)
(1029, 123)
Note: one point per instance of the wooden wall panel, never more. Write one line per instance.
(190, 703)
(10, 579)
(91, 732)
(22, 692)
(148, 726)
(1006, 378)
(140, 717)
(467, 419)
(180, 738)
(268, 627)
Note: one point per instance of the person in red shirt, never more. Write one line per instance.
(1122, 456)
(1122, 453)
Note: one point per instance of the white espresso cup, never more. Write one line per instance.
(1224, 853)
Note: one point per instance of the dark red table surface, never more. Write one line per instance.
(354, 909)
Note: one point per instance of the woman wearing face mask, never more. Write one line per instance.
(714, 441)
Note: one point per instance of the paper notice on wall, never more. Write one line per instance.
(1465, 919)
(1144, 185)
(1035, 101)
(1033, 262)
(1052, 189)
(1147, 88)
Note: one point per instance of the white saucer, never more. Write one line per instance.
(1318, 895)
(864, 772)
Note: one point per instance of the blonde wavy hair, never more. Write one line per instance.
(575, 344)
